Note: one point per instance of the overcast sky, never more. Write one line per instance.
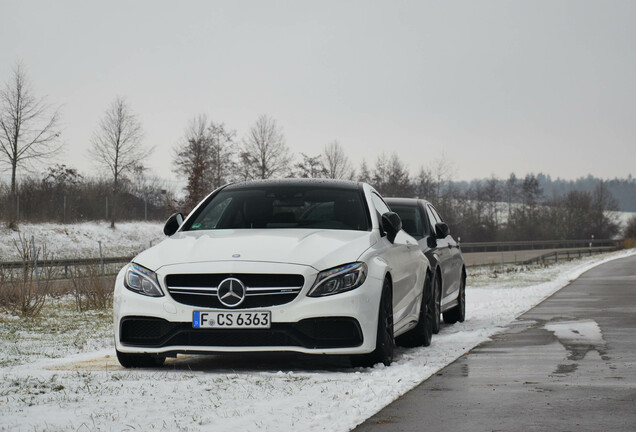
(496, 87)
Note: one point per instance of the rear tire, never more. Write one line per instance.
(422, 333)
(385, 340)
(128, 360)
(458, 313)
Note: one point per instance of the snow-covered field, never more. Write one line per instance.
(58, 372)
(82, 239)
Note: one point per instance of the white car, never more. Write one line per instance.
(310, 266)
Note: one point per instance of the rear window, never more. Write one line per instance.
(283, 207)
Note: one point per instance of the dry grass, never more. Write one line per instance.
(24, 290)
(91, 289)
(629, 243)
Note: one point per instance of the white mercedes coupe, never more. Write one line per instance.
(310, 266)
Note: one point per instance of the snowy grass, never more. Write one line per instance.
(59, 330)
(59, 372)
(81, 240)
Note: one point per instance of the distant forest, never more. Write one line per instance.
(622, 189)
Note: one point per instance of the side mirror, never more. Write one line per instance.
(441, 230)
(391, 224)
(172, 224)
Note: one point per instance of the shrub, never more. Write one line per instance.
(91, 289)
(23, 291)
(630, 229)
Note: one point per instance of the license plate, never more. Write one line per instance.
(231, 320)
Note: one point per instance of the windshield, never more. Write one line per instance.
(286, 206)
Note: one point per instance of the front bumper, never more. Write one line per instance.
(344, 323)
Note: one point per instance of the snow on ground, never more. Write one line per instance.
(85, 390)
(81, 240)
(623, 217)
(582, 332)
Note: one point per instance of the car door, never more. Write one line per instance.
(405, 259)
(444, 249)
(456, 257)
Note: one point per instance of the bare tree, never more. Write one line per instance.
(511, 191)
(391, 177)
(310, 167)
(629, 232)
(204, 157)
(265, 154)
(337, 163)
(365, 174)
(492, 195)
(442, 172)
(424, 184)
(380, 174)
(193, 159)
(604, 205)
(116, 146)
(245, 168)
(28, 129)
(222, 152)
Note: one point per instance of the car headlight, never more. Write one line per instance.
(142, 281)
(339, 279)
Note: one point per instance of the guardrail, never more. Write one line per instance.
(581, 245)
(66, 263)
(555, 256)
(538, 244)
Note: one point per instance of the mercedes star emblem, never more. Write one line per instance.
(231, 292)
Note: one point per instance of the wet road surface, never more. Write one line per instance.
(569, 364)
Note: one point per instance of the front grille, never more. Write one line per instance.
(261, 290)
(330, 332)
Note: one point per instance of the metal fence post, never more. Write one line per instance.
(101, 256)
(35, 262)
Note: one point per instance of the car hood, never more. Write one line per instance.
(321, 249)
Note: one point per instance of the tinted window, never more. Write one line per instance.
(283, 207)
(412, 221)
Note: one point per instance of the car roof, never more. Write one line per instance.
(318, 182)
(405, 201)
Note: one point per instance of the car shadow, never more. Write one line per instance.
(259, 362)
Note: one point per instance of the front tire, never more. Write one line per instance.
(128, 360)
(385, 339)
(458, 313)
(422, 333)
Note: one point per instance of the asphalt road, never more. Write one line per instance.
(569, 364)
